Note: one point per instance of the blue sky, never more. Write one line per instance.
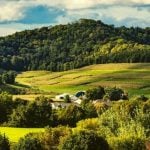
(18, 15)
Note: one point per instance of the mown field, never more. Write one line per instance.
(134, 78)
(14, 134)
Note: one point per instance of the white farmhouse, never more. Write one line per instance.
(57, 105)
(61, 97)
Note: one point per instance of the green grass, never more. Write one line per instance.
(32, 97)
(14, 134)
(134, 78)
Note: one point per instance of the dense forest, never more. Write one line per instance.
(74, 45)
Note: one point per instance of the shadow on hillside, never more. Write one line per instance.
(140, 66)
(22, 85)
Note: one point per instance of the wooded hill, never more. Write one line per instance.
(74, 45)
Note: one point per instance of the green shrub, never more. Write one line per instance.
(115, 94)
(52, 137)
(101, 107)
(34, 114)
(95, 93)
(84, 140)
(88, 124)
(131, 143)
(4, 143)
(142, 98)
(6, 104)
(29, 142)
(89, 110)
(146, 107)
(70, 115)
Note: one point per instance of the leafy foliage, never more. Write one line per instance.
(34, 114)
(4, 143)
(95, 93)
(7, 77)
(53, 136)
(74, 45)
(6, 105)
(115, 93)
(29, 142)
(85, 140)
(70, 116)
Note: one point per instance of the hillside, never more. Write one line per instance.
(65, 47)
(134, 78)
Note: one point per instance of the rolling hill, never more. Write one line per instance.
(134, 78)
(75, 45)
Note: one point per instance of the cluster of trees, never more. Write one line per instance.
(112, 94)
(7, 77)
(21, 113)
(70, 46)
(88, 140)
(124, 126)
(17, 113)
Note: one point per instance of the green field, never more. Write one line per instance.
(14, 134)
(31, 97)
(134, 78)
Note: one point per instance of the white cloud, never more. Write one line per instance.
(14, 10)
(7, 29)
(119, 11)
(80, 4)
(121, 15)
(11, 11)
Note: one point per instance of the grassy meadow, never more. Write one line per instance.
(31, 97)
(14, 134)
(134, 78)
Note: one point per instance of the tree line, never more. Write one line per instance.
(7, 77)
(17, 113)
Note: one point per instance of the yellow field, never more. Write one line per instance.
(14, 134)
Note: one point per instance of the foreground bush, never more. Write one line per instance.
(4, 143)
(34, 114)
(5, 106)
(52, 137)
(84, 140)
(95, 93)
(121, 143)
(70, 115)
(29, 142)
(115, 94)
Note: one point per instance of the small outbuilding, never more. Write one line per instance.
(58, 105)
(61, 97)
(80, 94)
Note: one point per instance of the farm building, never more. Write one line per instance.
(62, 97)
(80, 94)
(78, 101)
(57, 105)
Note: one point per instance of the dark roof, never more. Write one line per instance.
(81, 93)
